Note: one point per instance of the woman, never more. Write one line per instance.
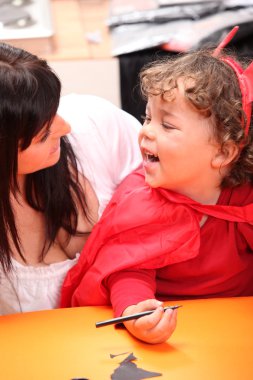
(50, 198)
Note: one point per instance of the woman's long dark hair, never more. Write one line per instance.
(29, 99)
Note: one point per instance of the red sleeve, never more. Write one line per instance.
(129, 287)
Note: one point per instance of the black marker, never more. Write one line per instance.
(130, 317)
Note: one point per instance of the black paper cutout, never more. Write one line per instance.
(129, 371)
(114, 355)
(129, 358)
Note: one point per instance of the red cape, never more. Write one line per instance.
(141, 228)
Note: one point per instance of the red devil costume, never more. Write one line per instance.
(155, 232)
(148, 242)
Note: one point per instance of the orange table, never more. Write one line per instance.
(213, 341)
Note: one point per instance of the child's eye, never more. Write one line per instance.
(45, 136)
(145, 118)
(168, 126)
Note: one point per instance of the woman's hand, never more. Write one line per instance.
(154, 328)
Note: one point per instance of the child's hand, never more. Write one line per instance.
(154, 328)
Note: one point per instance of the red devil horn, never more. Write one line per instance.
(225, 41)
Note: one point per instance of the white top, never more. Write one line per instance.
(28, 288)
(105, 140)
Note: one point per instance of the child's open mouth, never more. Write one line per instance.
(151, 157)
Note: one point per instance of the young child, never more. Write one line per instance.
(181, 227)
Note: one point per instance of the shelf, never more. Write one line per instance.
(75, 23)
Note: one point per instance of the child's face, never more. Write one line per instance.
(44, 150)
(177, 145)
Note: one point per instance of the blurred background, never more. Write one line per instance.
(99, 46)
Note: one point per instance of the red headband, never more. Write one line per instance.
(245, 77)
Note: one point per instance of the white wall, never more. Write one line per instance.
(95, 77)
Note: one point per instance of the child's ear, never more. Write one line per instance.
(226, 155)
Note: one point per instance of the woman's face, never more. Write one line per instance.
(44, 150)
